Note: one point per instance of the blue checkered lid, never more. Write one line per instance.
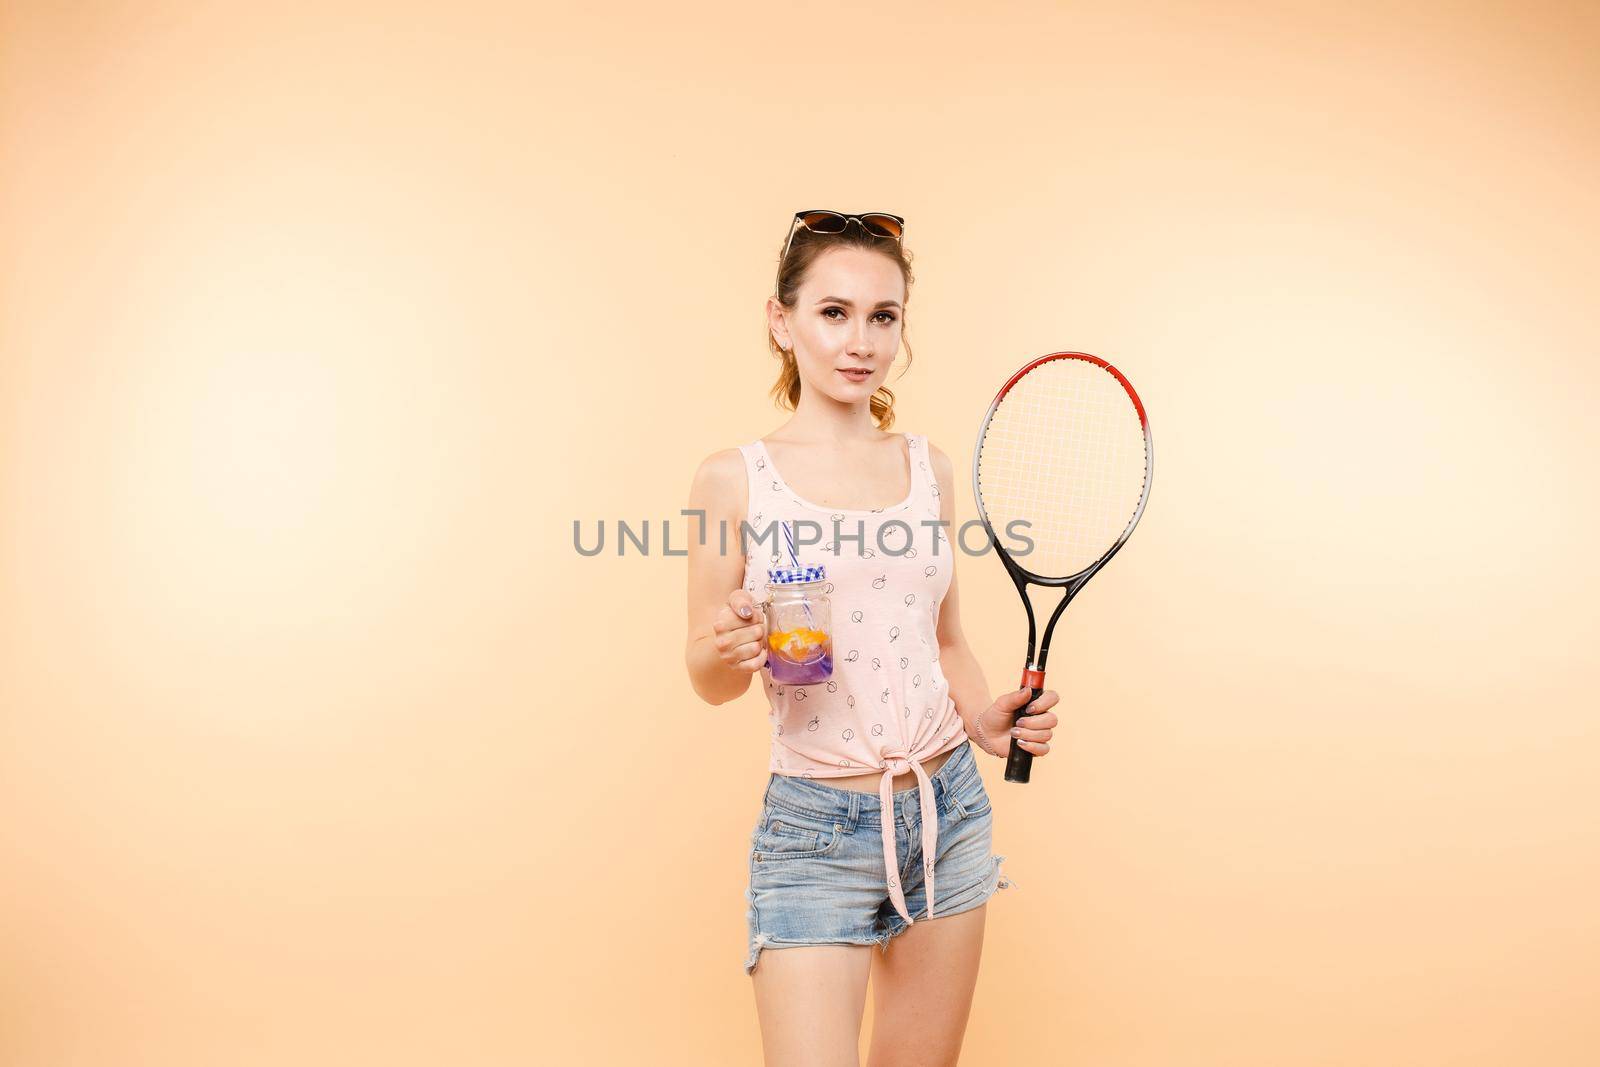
(796, 575)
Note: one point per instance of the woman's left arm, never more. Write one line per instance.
(987, 722)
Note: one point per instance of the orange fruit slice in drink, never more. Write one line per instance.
(799, 645)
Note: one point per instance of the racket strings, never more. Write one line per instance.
(1065, 451)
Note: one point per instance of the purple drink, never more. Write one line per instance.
(789, 672)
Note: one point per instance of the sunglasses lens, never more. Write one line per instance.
(882, 225)
(824, 221)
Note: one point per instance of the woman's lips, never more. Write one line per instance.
(856, 376)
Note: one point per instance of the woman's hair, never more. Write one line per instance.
(803, 251)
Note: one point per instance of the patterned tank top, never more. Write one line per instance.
(888, 706)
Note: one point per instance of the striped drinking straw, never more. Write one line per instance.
(794, 561)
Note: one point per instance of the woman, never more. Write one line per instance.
(875, 828)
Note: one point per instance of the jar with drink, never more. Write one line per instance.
(799, 641)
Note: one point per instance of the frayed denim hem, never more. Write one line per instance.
(996, 882)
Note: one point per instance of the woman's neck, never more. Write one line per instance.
(826, 420)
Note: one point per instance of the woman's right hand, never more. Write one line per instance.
(740, 633)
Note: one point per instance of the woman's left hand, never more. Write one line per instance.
(1032, 728)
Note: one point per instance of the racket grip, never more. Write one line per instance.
(1019, 761)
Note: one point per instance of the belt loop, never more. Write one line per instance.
(855, 810)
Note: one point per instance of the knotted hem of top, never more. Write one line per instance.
(899, 762)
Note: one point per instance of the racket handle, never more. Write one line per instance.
(1019, 761)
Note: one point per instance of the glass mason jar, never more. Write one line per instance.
(799, 630)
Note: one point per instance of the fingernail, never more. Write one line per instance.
(744, 612)
(1016, 732)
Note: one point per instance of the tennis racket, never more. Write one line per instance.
(1065, 448)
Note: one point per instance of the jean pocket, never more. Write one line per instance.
(787, 836)
(972, 797)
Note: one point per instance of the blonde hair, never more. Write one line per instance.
(803, 252)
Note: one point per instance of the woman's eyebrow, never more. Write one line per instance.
(848, 304)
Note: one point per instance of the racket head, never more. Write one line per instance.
(1065, 447)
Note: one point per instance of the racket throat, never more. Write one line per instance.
(1039, 639)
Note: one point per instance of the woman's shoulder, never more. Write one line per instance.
(719, 481)
(942, 464)
(725, 466)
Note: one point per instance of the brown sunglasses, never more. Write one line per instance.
(877, 223)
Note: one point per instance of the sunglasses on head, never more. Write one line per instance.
(877, 223)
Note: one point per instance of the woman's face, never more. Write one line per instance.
(847, 317)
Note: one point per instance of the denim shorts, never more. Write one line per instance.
(817, 869)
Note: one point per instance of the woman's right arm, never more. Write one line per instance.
(727, 629)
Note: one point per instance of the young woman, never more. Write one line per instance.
(875, 827)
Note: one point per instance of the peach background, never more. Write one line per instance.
(320, 745)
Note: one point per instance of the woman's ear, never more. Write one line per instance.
(777, 324)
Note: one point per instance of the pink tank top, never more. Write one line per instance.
(888, 705)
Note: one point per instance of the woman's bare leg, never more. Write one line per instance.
(810, 1000)
(922, 991)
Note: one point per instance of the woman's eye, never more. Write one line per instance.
(887, 316)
